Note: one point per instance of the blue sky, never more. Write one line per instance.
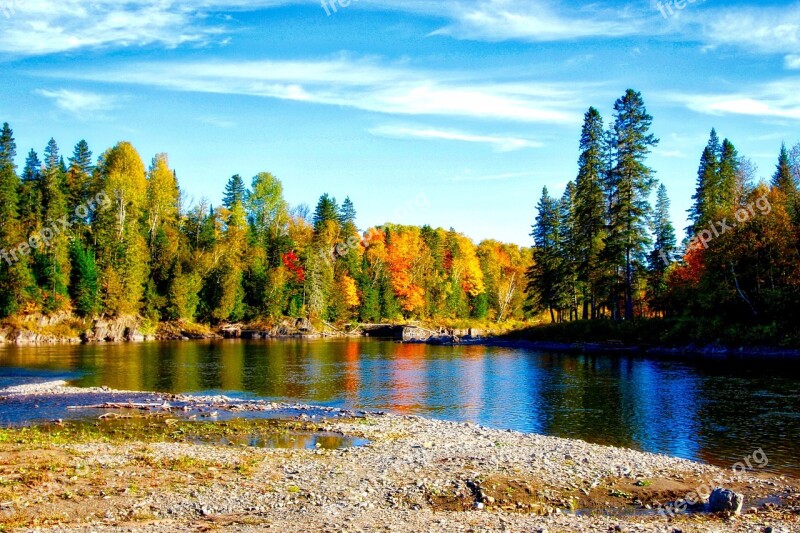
(471, 105)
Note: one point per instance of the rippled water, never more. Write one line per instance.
(714, 411)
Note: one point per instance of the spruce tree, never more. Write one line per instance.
(30, 195)
(545, 278)
(707, 178)
(79, 176)
(784, 179)
(590, 209)
(326, 210)
(235, 191)
(17, 286)
(85, 283)
(634, 183)
(664, 249)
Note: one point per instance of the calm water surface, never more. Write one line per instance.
(712, 411)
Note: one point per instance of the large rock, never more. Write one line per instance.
(725, 500)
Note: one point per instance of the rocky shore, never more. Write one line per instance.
(412, 474)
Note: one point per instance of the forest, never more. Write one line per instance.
(603, 250)
(112, 237)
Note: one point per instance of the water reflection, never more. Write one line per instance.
(709, 411)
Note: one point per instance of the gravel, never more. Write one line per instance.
(416, 474)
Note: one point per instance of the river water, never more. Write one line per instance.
(714, 411)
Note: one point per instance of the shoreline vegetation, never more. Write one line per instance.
(191, 470)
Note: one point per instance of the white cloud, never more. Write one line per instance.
(498, 143)
(780, 99)
(538, 21)
(765, 29)
(361, 84)
(79, 102)
(792, 62)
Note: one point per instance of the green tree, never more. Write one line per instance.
(235, 191)
(590, 210)
(79, 176)
(664, 250)
(707, 182)
(545, 280)
(17, 285)
(84, 286)
(326, 211)
(634, 183)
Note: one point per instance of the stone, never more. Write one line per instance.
(725, 500)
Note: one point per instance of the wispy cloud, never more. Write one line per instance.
(538, 21)
(80, 103)
(498, 143)
(362, 84)
(51, 26)
(792, 62)
(780, 99)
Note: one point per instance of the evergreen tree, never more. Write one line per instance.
(727, 185)
(30, 195)
(590, 209)
(79, 176)
(52, 259)
(17, 286)
(784, 179)
(707, 180)
(235, 191)
(85, 285)
(347, 213)
(545, 276)
(634, 183)
(663, 253)
(326, 210)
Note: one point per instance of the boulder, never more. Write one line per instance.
(725, 500)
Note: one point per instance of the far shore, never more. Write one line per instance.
(158, 462)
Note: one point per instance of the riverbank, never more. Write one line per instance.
(414, 474)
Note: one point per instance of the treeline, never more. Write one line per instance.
(113, 238)
(604, 251)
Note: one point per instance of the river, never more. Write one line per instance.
(714, 411)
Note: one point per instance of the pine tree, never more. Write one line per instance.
(235, 191)
(326, 210)
(52, 259)
(663, 253)
(590, 209)
(728, 181)
(85, 285)
(347, 213)
(79, 176)
(545, 279)
(707, 179)
(17, 286)
(634, 183)
(30, 195)
(784, 179)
